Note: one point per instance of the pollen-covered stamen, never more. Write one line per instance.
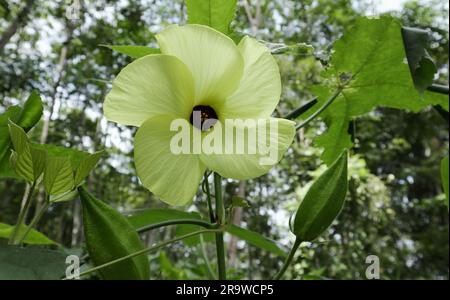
(203, 117)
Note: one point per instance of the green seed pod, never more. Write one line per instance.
(110, 236)
(323, 202)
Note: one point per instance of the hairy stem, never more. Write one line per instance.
(220, 215)
(205, 258)
(33, 222)
(320, 110)
(22, 214)
(288, 260)
(146, 250)
(177, 222)
(208, 198)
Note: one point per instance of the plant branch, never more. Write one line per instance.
(320, 110)
(22, 214)
(177, 222)
(35, 220)
(206, 259)
(438, 88)
(301, 110)
(146, 250)
(208, 197)
(220, 215)
(288, 259)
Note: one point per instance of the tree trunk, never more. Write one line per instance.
(19, 21)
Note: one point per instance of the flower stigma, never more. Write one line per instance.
(203, 117)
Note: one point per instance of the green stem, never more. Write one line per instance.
(33, 222)
(177, 222)
(206, 259)
(301, 110)
(220, 214)
(437, 88)
(208, 198)
(22, 214)
(146, 250)
(320, 110)
(288, 260)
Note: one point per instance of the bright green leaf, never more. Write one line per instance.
(67, 196)
(25, 117)
(86, 165)
(58, 175)
(75, 156)
(217, 14)
(109, 236)
(133, 51)
(323, 201)
(33, 237)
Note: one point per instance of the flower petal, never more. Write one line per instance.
(173, 178)
(260, 88)
(212, 57)
(277, 134)
(150, 86)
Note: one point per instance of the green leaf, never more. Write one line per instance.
(152, 216)
(26, 118)
(421, 64)
(31, 112)
(58, 175)
(19, 138)
(217, 14)
(109, 236)
(368, 64)
(30, 263)
(255, 239)
(33, 237)
(444, 177)
(67, 196)
(323, 201)
(133, 51)
(86, 165)
(28, 163)
(75, 156)
(12, 113)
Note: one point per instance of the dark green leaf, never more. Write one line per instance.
(29, 263)
(110, 236)
(217, 14)
(368, 63)
(323, 202)
(31, 112)
(421, 64)
(133, 51)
